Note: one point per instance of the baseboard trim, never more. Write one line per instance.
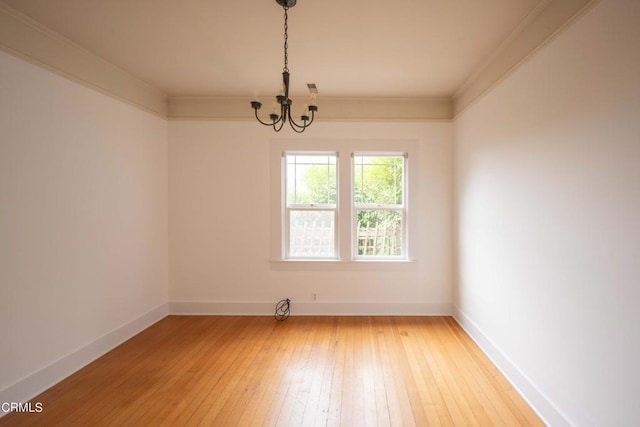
(550, 413)
(313, 308)
(34, 384)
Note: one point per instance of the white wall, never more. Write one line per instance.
(83, 224)
(219, 226)
(548, 205)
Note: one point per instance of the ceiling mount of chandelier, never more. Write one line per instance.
(281, 109)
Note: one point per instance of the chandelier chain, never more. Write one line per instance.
(286, 39)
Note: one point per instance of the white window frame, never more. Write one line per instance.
(313, 207)
(355, 207)
(345, 258)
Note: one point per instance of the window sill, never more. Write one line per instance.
(339, 265)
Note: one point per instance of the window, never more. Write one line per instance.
(343, 200)
(311, 206)
(379, 206)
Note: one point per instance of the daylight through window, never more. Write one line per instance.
(344, 208)
(379, 205)
(311, 206)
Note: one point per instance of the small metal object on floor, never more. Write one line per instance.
(282, 310)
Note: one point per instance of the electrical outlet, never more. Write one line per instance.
(314, 296)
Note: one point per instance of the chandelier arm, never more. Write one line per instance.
(311, 121)
(278, 129)
(298, 131)
(296, 125)
(313, 114)
(306, 125)
(281, 120)
(257, 117)
(273, 123)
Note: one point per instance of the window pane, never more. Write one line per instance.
(379, 233)
(311, 179)
(311, 234)
(378, 180)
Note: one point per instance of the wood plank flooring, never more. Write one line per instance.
(306, 371)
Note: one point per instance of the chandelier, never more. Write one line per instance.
(278, 119)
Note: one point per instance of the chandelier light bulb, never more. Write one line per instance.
(305, 114)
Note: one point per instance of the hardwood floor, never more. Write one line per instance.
(306, 371)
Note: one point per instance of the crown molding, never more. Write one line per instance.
(330, 108)
(29, 40)
(539, 27)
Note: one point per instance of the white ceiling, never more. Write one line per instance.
(416, 48)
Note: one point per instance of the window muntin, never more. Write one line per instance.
(378, 180)
(371, 186)
(378, 233)
(311, 206)
(379, 206)
(311, 179)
